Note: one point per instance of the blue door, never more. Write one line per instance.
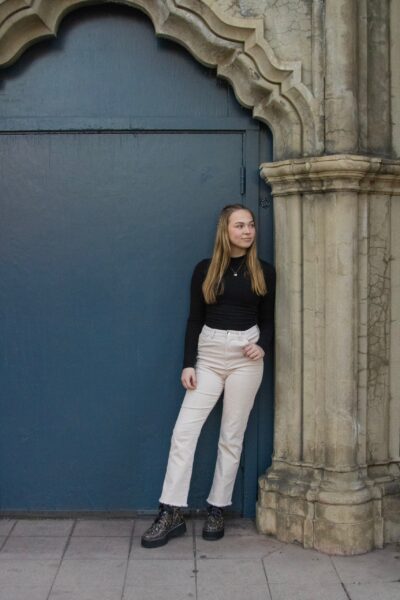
(117, 151)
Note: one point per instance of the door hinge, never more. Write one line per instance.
(242, 180)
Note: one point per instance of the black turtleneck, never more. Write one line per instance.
(237, 308)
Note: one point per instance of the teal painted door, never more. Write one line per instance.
(117, 152)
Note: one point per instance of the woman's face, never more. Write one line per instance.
(241, 231)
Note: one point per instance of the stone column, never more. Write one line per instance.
(341, 76)
(319, 490)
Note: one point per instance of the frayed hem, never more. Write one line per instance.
(173, 504)
(218, 505)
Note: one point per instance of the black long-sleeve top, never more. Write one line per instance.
(237, 308)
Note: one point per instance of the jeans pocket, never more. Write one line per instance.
(254, 337)
(205, 337)
(203, 334)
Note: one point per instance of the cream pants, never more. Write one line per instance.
(221, 366)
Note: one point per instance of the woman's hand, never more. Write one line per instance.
(253, 351)
(188, 378)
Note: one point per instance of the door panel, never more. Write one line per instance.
(98, 240)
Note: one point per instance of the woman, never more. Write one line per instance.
(229, 330)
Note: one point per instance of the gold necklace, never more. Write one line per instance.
(235, 273)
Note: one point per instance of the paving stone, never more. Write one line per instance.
(180, 547)
(33, 548)
(26, 580)
(295, 565)
(291, 591)
(384, 590)
(89, 580)
(43, 527)
(232, 579)
(98, 547)
(103, 527)
(160, 580)
(6, 526)
(236, 546)
(383, 565)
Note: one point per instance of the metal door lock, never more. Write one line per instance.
(265, 202)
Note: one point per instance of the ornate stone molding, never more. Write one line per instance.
(236, 47)
(345, 172)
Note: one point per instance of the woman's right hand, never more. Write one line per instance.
(188, 378)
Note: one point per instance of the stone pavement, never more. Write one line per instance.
(102, 559)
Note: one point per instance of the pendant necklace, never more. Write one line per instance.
(235, 273)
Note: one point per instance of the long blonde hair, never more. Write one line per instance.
(213, 283)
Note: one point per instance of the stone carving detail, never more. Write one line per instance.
(236, 47)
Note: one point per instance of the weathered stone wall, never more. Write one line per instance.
(395, 74)
(289, 27)
(358, 98)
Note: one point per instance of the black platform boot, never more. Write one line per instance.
(168, 523)
(214, 526)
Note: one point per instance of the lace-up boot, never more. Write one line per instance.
(168, 523)
(214, 526)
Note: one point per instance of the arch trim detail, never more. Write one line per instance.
(235, 47)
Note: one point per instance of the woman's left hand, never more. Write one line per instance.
(253, 351)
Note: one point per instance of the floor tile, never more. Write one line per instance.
(89, 580)
(236, 546)
(180, 547)
(6, 526)
(43, 527)
(384, 590)
(98, 547)
(232, 579)
(383, 565)
(26, 580)
(160, 580)
(295, 565)
(103, 527)
(33, 548)
(311, 591)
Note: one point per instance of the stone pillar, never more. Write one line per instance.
(341, 76)
(378, 77)
(320, 489)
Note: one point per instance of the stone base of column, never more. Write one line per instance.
(386, 482)
(391, 517)
(336, 513)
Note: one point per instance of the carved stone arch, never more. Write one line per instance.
(236, 47)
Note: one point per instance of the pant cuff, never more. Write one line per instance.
(173, 503)
(218, 503)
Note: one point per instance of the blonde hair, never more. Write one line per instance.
(213, 283)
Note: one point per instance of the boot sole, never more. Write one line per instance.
(177, 531)
(212, 536)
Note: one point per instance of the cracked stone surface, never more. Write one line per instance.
(288, 26)
(378, 327)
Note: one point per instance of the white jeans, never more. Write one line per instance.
(221, 365)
